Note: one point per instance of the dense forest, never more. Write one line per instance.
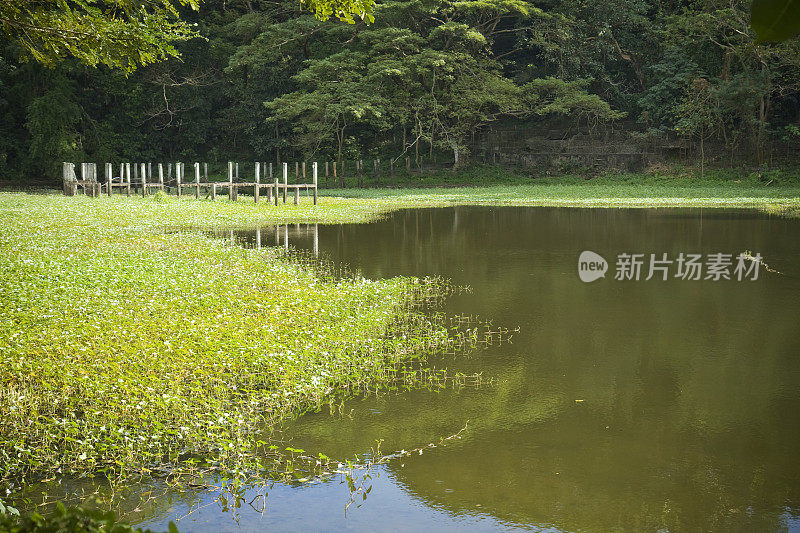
(265, 80)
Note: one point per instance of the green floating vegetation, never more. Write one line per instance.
(124, 347)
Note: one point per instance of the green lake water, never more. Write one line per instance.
(618, 406)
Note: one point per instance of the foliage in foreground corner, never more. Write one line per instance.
(122, 34)
(72, 520)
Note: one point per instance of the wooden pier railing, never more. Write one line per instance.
(142, 177)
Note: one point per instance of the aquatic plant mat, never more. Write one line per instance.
(126, 349)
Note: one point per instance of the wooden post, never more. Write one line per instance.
(270, 171)
(97, 180)
(109, 177)
(316, 240)
(285, 180)
(128, 178)
(258, 182)
(230, 180)
(96, 185)
(213, 191)
(178, 177)
(296, 172)
(161, 176)
(296, 194)
(335, 179)
(197, 180)
(314, 171)
(136, 173)
(144, 180)
(169, 172)
(237, 172)
(150, 172)
(66, 178)
(205, 172)
(304, 171)
(275, 191)
(88, 184)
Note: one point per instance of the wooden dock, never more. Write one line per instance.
(142, 178)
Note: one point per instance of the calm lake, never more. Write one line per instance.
(629, 405)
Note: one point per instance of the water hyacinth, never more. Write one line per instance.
(125, 347)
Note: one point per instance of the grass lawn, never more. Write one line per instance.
(754, 191)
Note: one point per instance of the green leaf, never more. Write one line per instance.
(775, 20)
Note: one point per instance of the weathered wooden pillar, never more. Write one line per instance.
(197, 180)
(314, 172)
(285, 180)
(150, 172)
(143, 170)
(205, 172)
(335, 178)
(84, 175)
(304, 171)
(88, 185)
(230, 180)
(169, 172)
(161, 176)
(128, 178)
(109, 177)
(296, 172)
(136, 173)
(258, 183)
(70, 187)
(179, 177)
(275, 191)
(213, 191)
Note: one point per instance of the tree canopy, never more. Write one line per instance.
(420, 78)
